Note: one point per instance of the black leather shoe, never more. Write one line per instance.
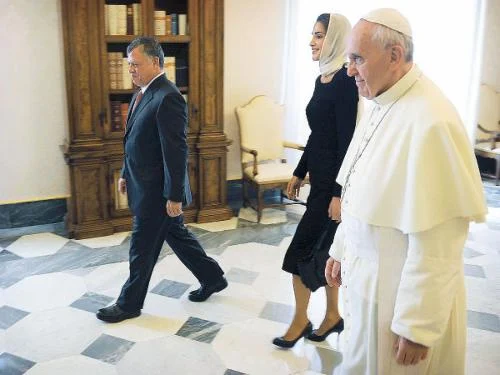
(115, 314)
(282, 343)
(202, 293)
(339, 327)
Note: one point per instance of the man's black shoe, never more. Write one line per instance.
(115, 314)
(201, 294)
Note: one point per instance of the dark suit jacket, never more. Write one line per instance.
(156, 151)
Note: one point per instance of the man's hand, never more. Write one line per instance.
(332, 273)
(122, 185)
(293, 188)
(334, 209)
(174, 208)
(408, 352)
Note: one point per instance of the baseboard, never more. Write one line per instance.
(27, 214)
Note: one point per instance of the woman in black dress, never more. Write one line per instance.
(331, 114)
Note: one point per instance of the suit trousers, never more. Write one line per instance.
(148, 234)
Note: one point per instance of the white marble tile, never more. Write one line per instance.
(238, 302)
(2, 297)
(247, 347)
(483, 348)
(217, 226)
(269, 215)
(171, 355)
(482, 295)
(43, 292)
(275, 285)
(34, 245)
(146, 327)
(74, 365)
(52, 334)
(107, 279)
(2, 340)
(97, 242)
(254, 257)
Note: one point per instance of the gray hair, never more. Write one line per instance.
(387, 37)
(151, 48)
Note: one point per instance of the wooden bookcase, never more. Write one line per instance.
(94, 151)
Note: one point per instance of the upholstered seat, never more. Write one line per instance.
(262, 147)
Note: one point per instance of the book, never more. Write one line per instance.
(130, 19)
(174, 28)
(182, 24)
(159, 19)
(137, 18)
(116, 116)
(169, 68)
(126, 77)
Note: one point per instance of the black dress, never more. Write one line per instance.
(331, 114)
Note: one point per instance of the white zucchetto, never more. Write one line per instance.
(390, 18)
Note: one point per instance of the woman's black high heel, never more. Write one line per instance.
(339, 327)
(282, 343)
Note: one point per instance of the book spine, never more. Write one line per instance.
(130, 20)
(175, 28)
(182, 21)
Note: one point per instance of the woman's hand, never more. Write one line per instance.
(293, 188)
(334, 209)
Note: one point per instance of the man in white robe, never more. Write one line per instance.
(411, 187)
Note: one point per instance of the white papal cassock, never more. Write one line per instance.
(411, 187)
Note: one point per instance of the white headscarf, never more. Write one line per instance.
(332, 55)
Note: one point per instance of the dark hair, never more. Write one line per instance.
(324, 19)
(150, 46)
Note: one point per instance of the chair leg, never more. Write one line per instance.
(245, 193)
(260, 204)
(497, 175)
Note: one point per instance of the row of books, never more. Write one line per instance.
(119, 112)
(123, 19)
(170, 24)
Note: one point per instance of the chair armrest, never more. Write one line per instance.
(496, 133)
(293, 145)
(255, 171)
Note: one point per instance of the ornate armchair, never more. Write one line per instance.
(488, 133)
(262, 151)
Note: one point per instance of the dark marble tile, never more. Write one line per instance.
(56, 228)
(73, 246)
(277, 312)
(14, 365)
(6, 255)
(474, 270)
(170, 288)
(5, 216)
(484, 321)
(10, 316)
(470, 253)
(108, 349)
(91, 302)
(239, 275)
(199, 330)
(233, 372)
(37, 213)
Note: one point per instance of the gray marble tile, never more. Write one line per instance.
(9, 316)
(233, 372)
(277, 312)
(199, 330)
(470, 253)
(91, 302)
(484, 321)
(108, 349)
(239, 275)
(474, 270)
(14, 365)
(170, 288)
(5, 242)
(6, 255)
(73, 246)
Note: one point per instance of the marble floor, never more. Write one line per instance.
(51, 286)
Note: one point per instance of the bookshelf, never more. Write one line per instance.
(96, 34)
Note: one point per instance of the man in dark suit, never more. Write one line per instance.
(154, 175)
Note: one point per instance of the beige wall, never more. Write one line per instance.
(490, 72)
(253, 59)
(32, 102)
